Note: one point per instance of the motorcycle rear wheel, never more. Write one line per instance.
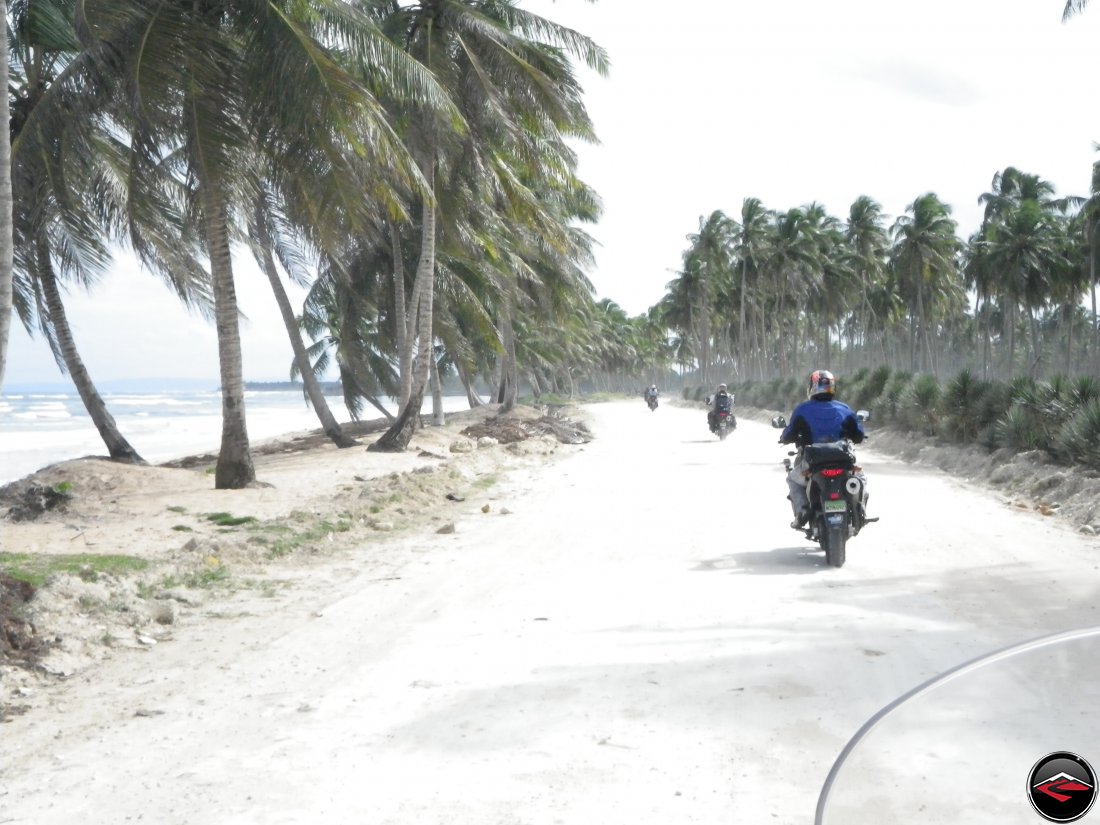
(834, 541)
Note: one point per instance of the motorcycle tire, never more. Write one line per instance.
(834, 541)
(722, 433)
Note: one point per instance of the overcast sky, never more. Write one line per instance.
(712, 101)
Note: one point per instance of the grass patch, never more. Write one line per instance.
(287, 544)
(36, 568)
(182, 528)
(485, 482)
(228, 519)
(177, 509)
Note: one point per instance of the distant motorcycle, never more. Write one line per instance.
(837, 491)
(724, 421)
(652, 402)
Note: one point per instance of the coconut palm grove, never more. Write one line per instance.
(412, 163)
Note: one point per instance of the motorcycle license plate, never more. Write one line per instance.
(834, 506)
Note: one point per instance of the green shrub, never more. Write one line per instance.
(1083, 390)
(886, 405)
(918, 405)
(961, 407)
(1019, 429)
(1079, 438)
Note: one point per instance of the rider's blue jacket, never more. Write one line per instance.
(820, 420)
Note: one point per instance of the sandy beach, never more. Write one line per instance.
(310, 500)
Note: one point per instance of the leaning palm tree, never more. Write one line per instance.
(505, 68)
(206, 89)
(66, 172)
(272, 238)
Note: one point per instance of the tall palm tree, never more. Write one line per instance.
(272, 237)
(66, 171)
(1026, 246)
(924, 253)
(868, 244)
(504, 68)
(749, 250)
(207, 89)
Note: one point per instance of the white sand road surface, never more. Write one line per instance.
(643, 640)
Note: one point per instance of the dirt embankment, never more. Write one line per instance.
(99, 556)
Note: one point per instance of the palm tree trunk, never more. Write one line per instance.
(467, 383)
(117, 446)
(741, 344)
(397, 437)
(301, 357)
(1068, 310)
(6, 243)
(1095, 322)
(234, 469)
(401, 318)
(437, 393)
(1033, 327)
(509, 371)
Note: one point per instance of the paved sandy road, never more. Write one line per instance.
(643, 640)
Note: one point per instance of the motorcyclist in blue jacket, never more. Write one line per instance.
(818, 420)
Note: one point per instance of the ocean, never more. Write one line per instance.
(41, 425)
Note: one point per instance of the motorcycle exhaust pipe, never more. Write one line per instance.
(854, 486)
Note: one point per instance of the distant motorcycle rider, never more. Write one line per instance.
(722, 401)
(651, 394)
(818, 420)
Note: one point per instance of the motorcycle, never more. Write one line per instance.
(724, 421)
(651, 400)
(836, 489)
(1009, 738)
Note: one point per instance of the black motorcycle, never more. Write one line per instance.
(836, 490)
(723, 421)
(652, 401)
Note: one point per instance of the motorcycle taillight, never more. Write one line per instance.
(832, 472)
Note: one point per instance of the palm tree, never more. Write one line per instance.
(924, 253)
(65, 170)
(794, 269)
(867, 244)
(750, 250)
(1027, 249)
(209, 88)
(505, 72)
(269, 233)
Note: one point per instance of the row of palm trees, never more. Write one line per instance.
(777, 292)
(411, 161)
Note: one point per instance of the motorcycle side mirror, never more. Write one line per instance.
(863, 415)
(779, 422)
(708, 400)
